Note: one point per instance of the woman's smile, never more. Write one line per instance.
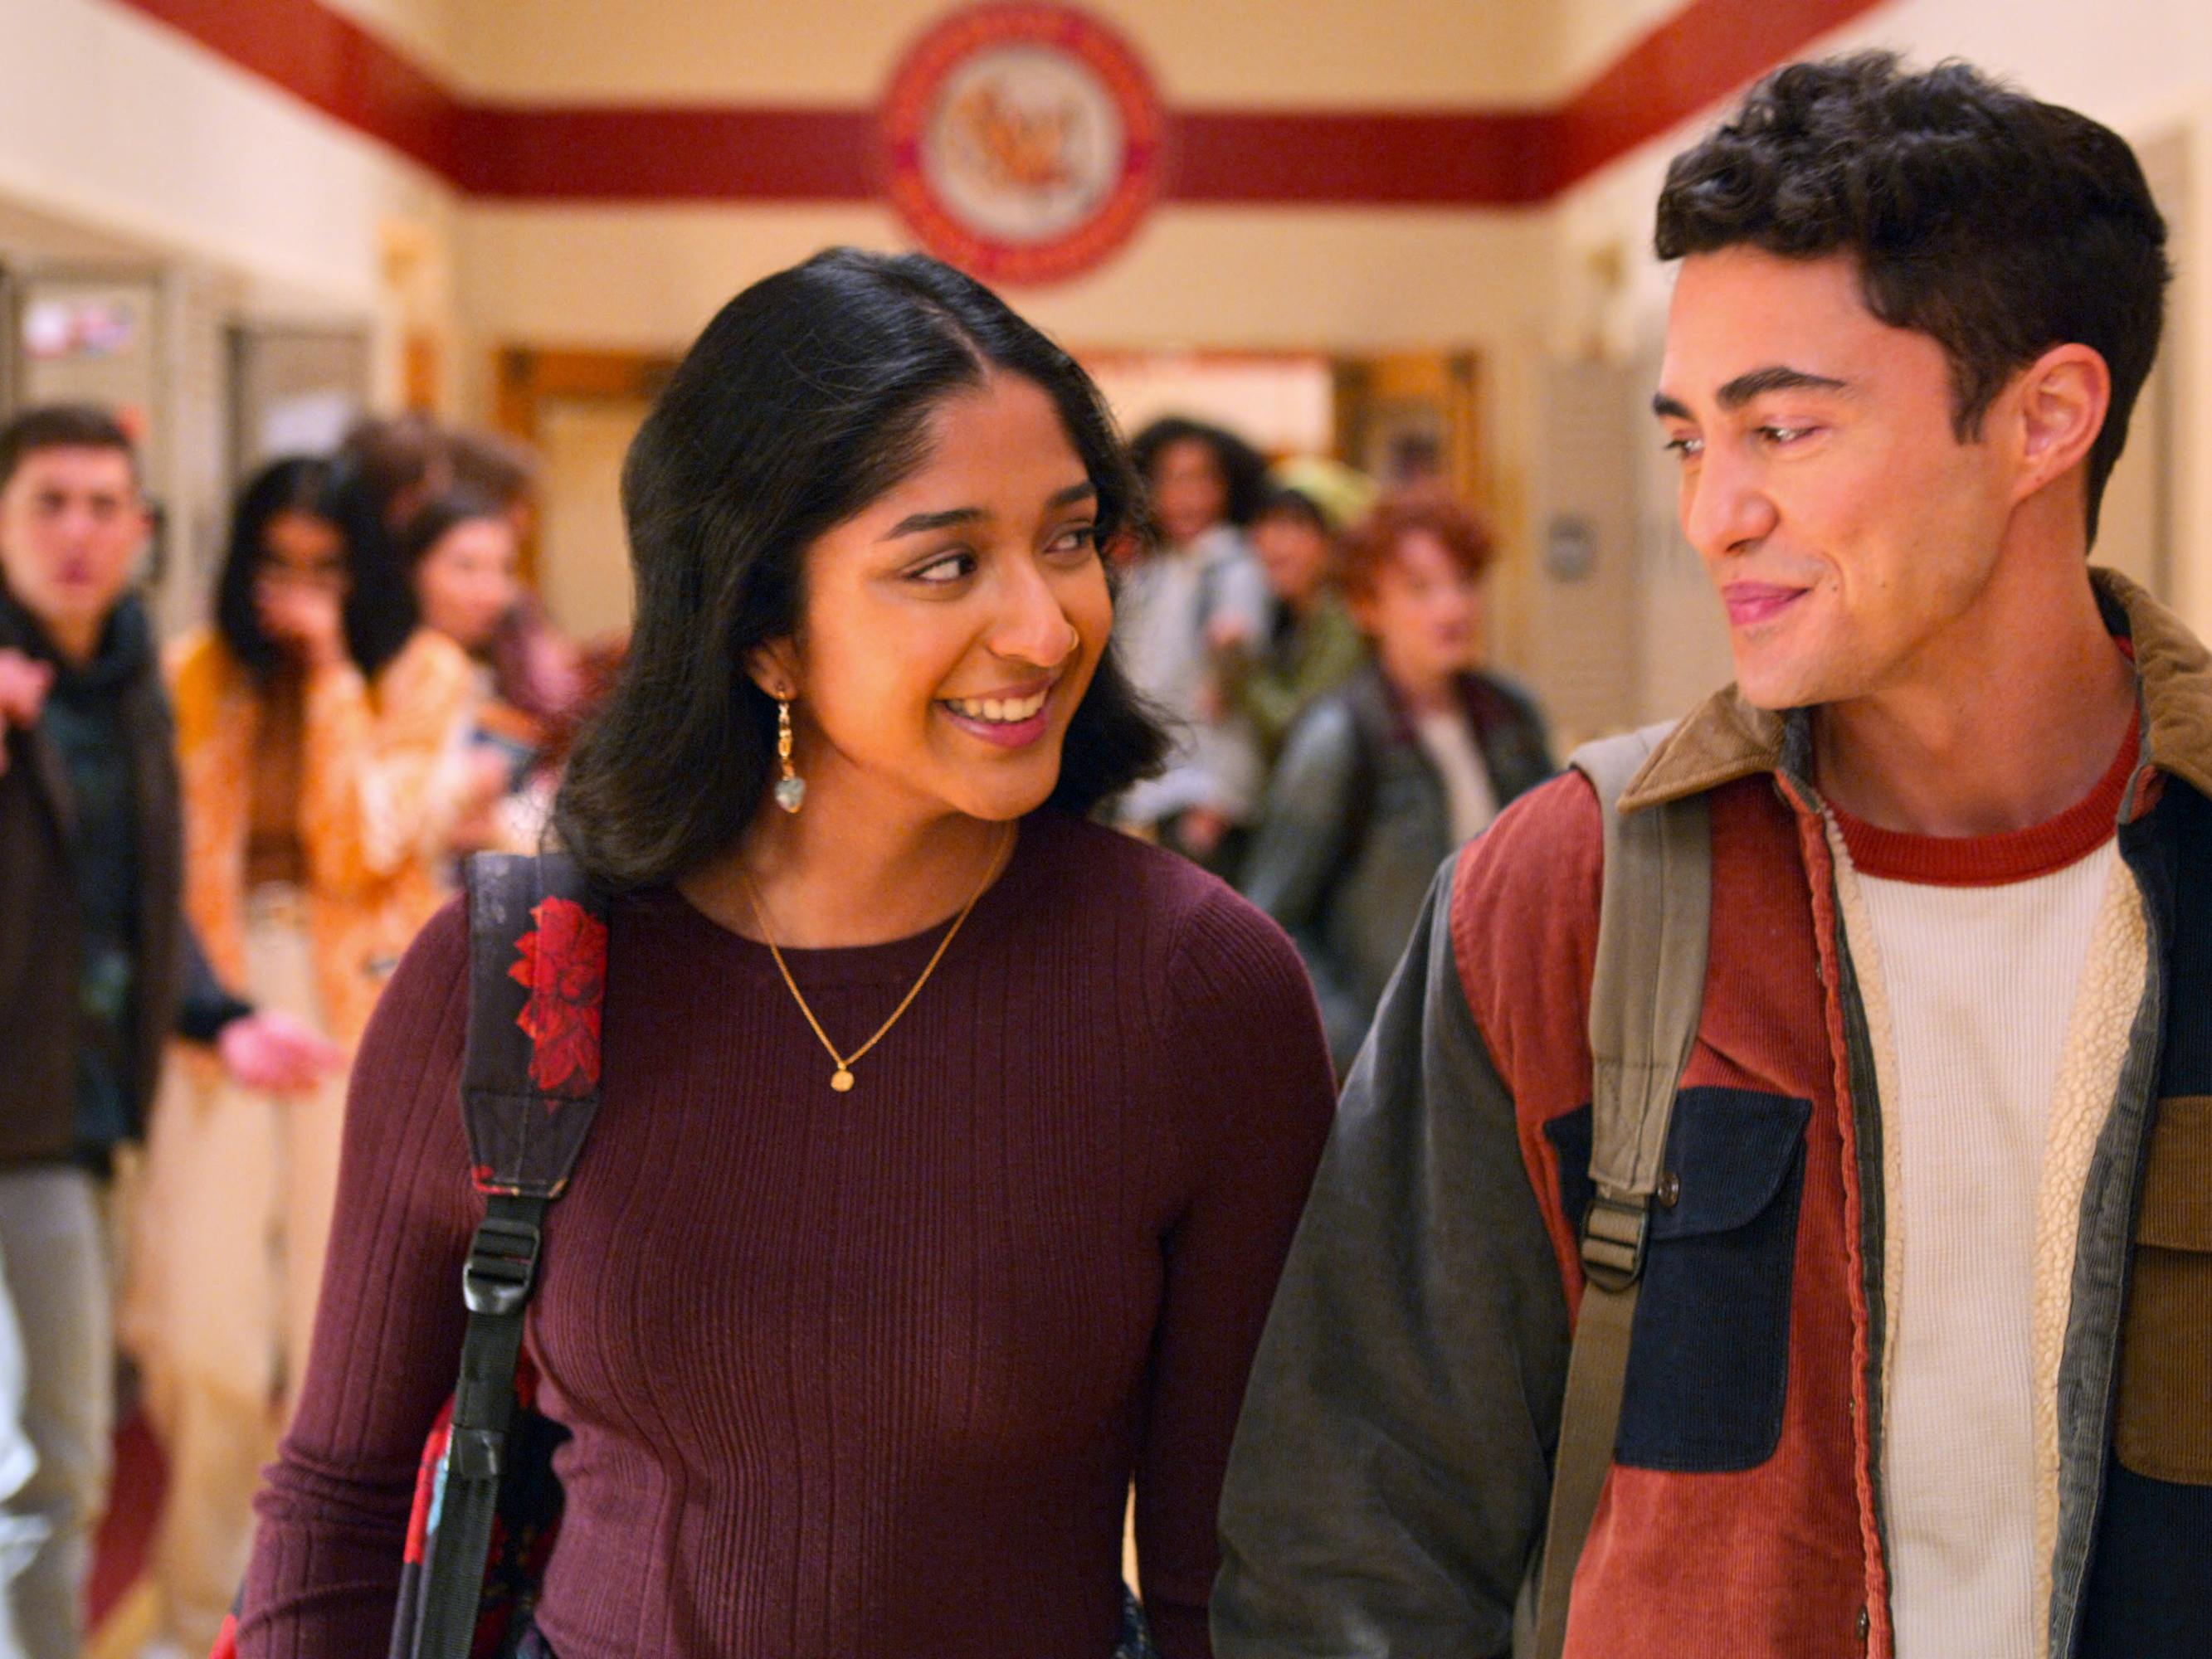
(1011, 719)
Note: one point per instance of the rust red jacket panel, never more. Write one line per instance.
(1738, 1500)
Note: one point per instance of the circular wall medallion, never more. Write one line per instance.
(1022, 142)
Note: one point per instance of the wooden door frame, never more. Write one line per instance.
(525, 378)
(1447, 379)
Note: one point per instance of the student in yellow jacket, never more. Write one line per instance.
(317, 731)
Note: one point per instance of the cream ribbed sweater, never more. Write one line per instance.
(1984, 968)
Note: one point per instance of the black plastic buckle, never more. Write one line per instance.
(1614, 1235)
(475, 1454)
(501, 1265)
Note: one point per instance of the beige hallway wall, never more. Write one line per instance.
(1248, 53)
(1325, 279)
(1331, 280)
(1334, 279)
(113, 123)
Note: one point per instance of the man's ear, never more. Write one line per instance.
(2060, 401)
(773, 667)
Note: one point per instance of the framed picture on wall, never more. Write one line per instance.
(1412, 418)
(293, 390)
(79, 336)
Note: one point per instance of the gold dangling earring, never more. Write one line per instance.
(790, 789)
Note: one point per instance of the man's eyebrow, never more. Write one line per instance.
(921, 524)
(1780, 377)
(1745, 387)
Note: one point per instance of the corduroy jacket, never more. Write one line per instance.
(1390, 1481)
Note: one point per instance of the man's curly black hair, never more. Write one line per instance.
(1996, 225)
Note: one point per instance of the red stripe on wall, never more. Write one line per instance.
(667, 153)
(1697, 56)
(1400, 158)
(1464, 159)
(705, 154)
(328, 60)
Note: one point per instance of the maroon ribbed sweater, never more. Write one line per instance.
(850, 1374)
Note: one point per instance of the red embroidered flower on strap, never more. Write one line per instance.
(563, 964)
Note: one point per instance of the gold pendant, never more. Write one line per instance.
(841, 1081)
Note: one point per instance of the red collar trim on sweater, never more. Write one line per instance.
(1996, 860)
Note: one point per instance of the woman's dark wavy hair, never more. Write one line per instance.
(438, 517)
(1243, 469)
(1998, 226)
(805, 398)
(379, 606)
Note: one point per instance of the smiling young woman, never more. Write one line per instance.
(950, 1145)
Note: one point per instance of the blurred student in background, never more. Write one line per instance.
(1383, 778)
(315, 725)
(1312, 645)
(462, 556)
(1188, 598)
(490, 464)
(391, 465)
(539, 673)
(97, 967)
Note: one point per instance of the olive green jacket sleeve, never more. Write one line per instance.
(1388, 1480)
(1331, 651)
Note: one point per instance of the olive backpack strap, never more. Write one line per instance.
(530, 1088)
(1654, 921)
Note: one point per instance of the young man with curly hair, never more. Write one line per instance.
(1921, 1363)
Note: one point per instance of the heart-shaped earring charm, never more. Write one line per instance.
(790, 789)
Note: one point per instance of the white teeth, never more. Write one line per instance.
(999, 711)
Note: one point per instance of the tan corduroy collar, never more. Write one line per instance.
(1726, 739)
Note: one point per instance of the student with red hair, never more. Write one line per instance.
(1382, 778)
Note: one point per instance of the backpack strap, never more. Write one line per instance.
(1649, 988)
(530, 1088)
(530, 1077)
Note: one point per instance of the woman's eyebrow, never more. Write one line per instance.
(921, 524)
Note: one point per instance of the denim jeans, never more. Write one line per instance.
(20, 1535)
(53, 1245)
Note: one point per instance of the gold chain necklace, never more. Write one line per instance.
(842, 1079)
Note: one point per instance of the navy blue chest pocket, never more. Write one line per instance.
(1708, 1360)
